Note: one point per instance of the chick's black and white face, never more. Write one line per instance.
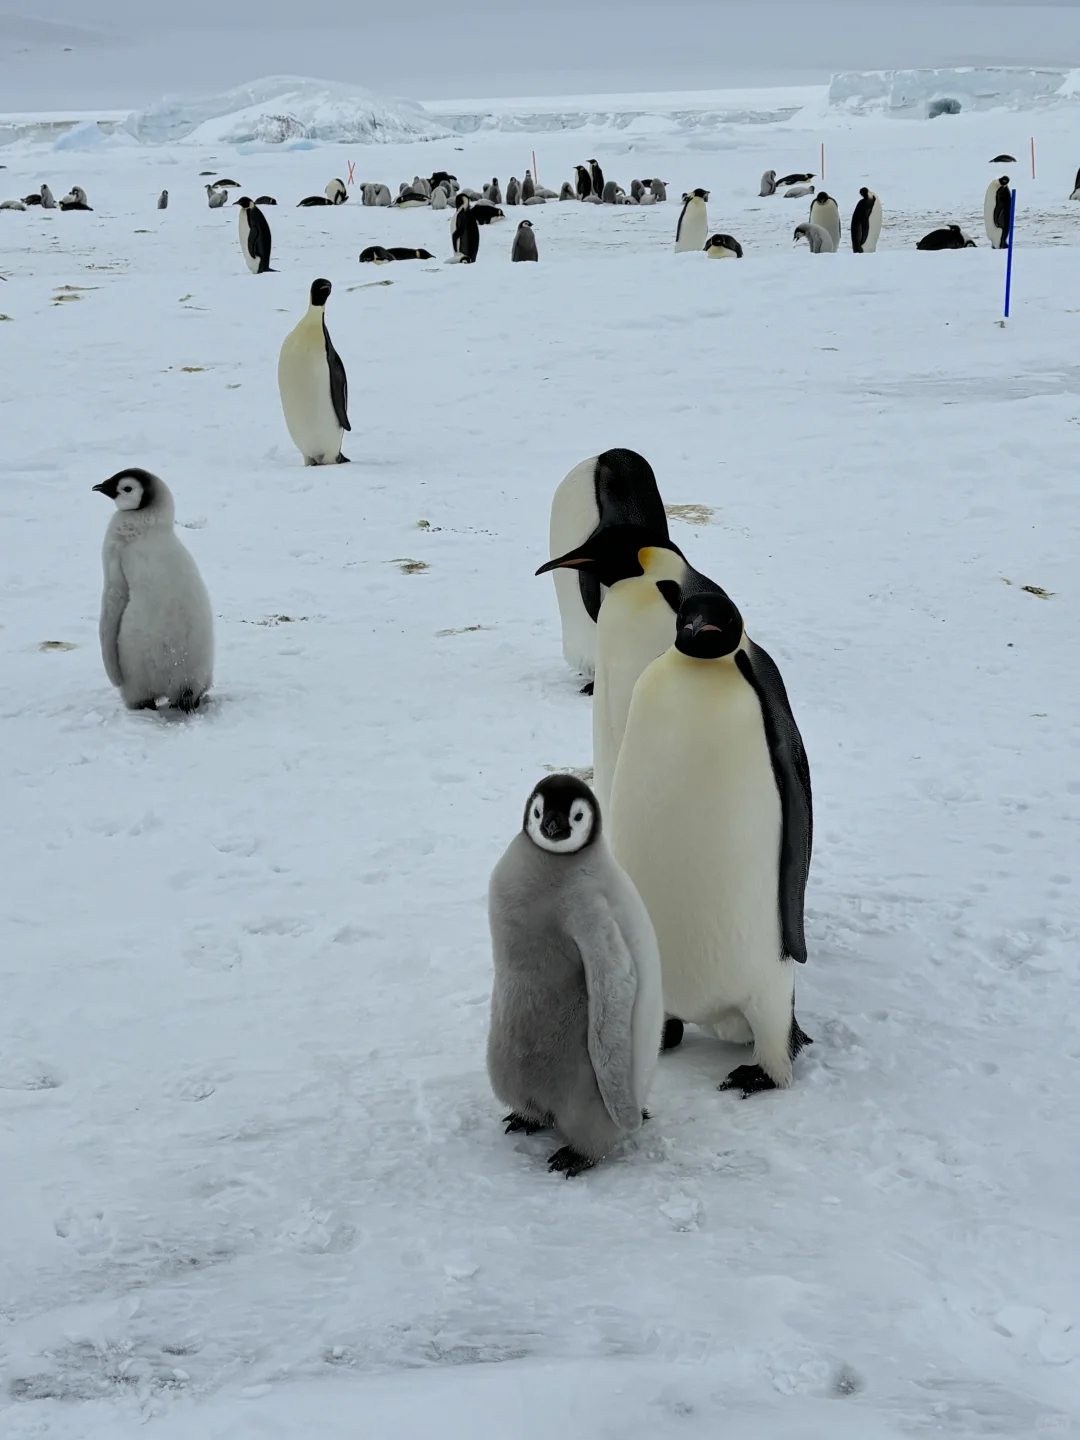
(129, 493)
(561, 819)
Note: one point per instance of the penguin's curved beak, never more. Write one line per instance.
(565, 562)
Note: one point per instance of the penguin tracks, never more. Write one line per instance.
(52, 646)
(692, 514)
(410, 567)
(1036, 590)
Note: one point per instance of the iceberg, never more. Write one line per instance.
(928, 93)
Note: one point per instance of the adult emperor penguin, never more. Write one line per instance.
(819, 240)
(313, 385)
(723, 247)
(524, 246)
(951, 237)
(156, 627)
(1076, 188)
(693, 227)
(254, 236)
(866, 223)
(582, 181)
(797, 177)
(996, 209)
(336, 192)
(576, 1007)
(615, 488)
(597, 177)
(465, 231)
(647, 579)
(163, 200)
(711, 817)
(768, 183)
(825, 213)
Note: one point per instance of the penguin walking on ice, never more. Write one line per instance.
(711, 816)
(163, 200)
(866, 223)
(647, 579)
(768, 183)
(819, 240)
(996, 208)
(254, 236)
(313, 386)
(216, 198)
(825, 213)
(524, 247)
(693, 227)
(951, 237)
(576, 1001)
(615, 488)
(723, 247)
(156, 625)
(465, 231)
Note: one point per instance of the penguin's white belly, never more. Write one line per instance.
(166, 639)
(635, 625)
(574, 517)
(304, 383)
(874, 232)
(696, 823)
(694, 230)
(245, 243)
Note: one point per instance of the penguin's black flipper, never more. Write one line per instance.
(569, 1162)
(339, 381)
(587, 688)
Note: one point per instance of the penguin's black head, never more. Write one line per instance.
(617, 552)
(562, 815)
(821, 197)
(245, 202)
(1004, 181)
(700, 194)
(132, 489)
(320, 292)
(708, 626)
(525, 225)
(864, 192)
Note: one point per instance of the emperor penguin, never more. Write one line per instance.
(528, 187)
(637, 189)
(825, 213)
(693, 227)
(819, 240)
(597, 177)
(949, 238)
(336, 192)
(163, 200)
(647, 579)
(567, 191)
(711, 817)
(657, 189)
(866, 223)
(723, 247)
(576, 1003)
(382, 195)
(254, 236)
(156, 626)
(615, 488)
(216, 198)
(524, 247)
(313, 385)
(513, 191)
(465, 231)
(75, 199)
(48, 200)
(768, 183)
(996, 208)
(797, 177)
(493, 192)
(440, 198)
(1076, 188)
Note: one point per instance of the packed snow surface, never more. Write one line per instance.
(254, 1181)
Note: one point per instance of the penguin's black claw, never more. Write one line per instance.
(569, 1162)
(750, 1079)
(342, 460)
(521, 1125)
(187, 701)
(586, 689)
(646, 1115)
(144, 705)
(673, 1033)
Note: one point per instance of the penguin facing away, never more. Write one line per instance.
(866, 223)
(163, 200)
(597, 177)
(156, 626)
(647, 579)
(583, 182)
(723, 247)
(313, 386)
(825, 213)
(711, 817)
(524, 247)
(657, 189)
(949, 238)
(528, 188)
(216, 198)
(819, 240)
(465, 231)
(576, 1008)
(693, 227)
(996, 208)
(254, 236)
(615, 488)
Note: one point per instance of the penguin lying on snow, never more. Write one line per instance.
(254, 236)
(798, 191)
(524, 246)
(216, 198)
(12, 204)
(796, 178)
(411, 200)
(75, 199)
(156, 626)
(711, 817)
(265, 200)
(485, 213)
(950, 238)
(819, 240)
(576, 1008)
(1003, 160)
(313, 386)
(723, 247)
(380, 255)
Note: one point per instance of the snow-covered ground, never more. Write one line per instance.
(254, 1183)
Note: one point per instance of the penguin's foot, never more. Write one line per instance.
(342, 460)
(587, 688)
(799, 1038)
(187, 701)
(673, 1033)
(143, 705)
(521, 1125)
(750, 1079)
(569, 1162)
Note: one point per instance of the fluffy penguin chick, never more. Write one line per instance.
(156, 627)
(524, 247)
(576, 1007)
(313, 385)
(711, 818)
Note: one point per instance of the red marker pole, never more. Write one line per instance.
(352, 167)
(1033, 157)
(535, 176)
(823, 162)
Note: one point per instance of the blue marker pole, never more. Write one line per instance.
(1008, 263)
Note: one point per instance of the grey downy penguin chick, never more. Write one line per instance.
(567, 191)
(528, 188)
(48, 200)
(524, 247)
(156, 626)
(216, 198)
(576, 1004)
(513, 191)
(163, 200)
(819, 240)
(313, 386)
(493, 192)
(657, 189)
(768, 183)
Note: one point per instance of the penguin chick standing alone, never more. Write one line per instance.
(576, 1009)
(254, 236)
(825, 213)
(996, 208)
(866, 223)
(693, 227)
(768, 183)
(163, 200)
(819, 240)
(216, 198)
(313, 386)
(524, 247)
(156, 627)
(711, 817)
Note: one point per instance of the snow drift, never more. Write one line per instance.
(921, 92)
(283, 108)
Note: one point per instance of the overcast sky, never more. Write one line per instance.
(473, 48)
